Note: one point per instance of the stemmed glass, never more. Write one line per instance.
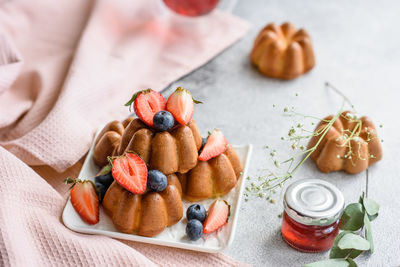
(194, 8)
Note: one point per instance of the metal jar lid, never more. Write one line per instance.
(313, 202)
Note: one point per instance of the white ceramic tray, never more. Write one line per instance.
(175, 235)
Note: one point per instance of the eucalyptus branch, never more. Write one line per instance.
(356, 237)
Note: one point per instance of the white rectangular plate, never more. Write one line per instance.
(175, 235)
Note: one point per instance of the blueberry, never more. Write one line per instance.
(163, 120)
(203, 143)
(156, 180)
(196, 211)
(102, 183)
(194, 229)
(101, 190)
(106, 179)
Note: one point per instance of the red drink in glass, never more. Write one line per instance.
(191, 8)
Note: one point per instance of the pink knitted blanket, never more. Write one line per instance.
(65, 68)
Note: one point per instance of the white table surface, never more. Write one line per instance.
(357, 47)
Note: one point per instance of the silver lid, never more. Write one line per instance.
(313, 202)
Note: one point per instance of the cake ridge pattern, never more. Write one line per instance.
(147, 214)
(332, 154)
(212, 178)
(282, 51)
(169, 152)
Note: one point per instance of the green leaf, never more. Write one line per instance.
(329, 263)
(353, 241)
(105, 170)
(135, 95)
(352, 218)
(372, 217)
(69, 180)
(370, 206)
(352, 263)
(197, 101)
(361, 199)
(368, 232)
(336, 252)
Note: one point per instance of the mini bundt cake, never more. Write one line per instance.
(148, 214)
(212, 178)
(333, 153)
(282, 51)
(169, 152)
(108, 140)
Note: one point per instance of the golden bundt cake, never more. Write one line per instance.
(169, 152)
(148, 214)
(212, 178)
(108, 140)
(333, 153)
(282, 51)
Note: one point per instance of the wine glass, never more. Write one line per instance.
(194, 8)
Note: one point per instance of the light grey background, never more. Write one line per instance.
(357, 48)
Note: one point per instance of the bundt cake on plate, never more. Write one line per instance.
(282, 51)
(108, 140)
(147, 214)
(212, 178)
(173, 151)
(170, 151)
(334, 154)
(138, 185)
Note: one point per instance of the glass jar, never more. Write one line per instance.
(312, 209)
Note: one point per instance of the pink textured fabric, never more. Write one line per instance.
(123, 47)
(65, 68)
(10, 64)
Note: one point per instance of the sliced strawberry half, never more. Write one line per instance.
(130, 171)
(85, 200)
(217, 216)
(146, 104)
(216, 145)
(181, 105)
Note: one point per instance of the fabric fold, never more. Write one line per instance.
(10, 63)
(125, 47)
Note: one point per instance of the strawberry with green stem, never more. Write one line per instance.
(181, 105)
(84, 199)
(146, 104)
(130, 171)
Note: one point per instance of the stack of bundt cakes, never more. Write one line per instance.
(195, 168)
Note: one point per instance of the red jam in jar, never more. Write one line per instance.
(311, 218)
